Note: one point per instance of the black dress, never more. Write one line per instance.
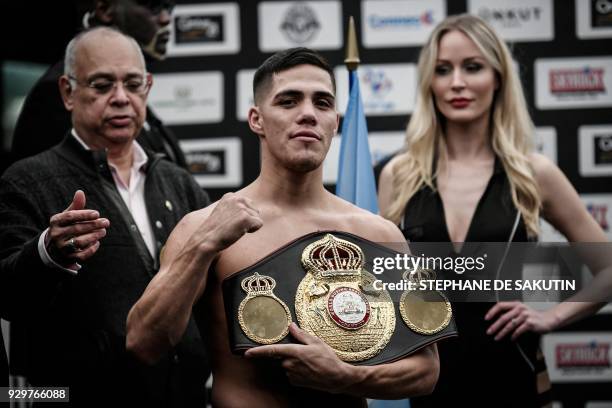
(476, 370)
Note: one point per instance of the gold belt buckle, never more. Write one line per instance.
(336, 301)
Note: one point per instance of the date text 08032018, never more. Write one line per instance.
(34, 394)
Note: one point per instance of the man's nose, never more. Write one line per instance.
(307, 113)
(119, 95)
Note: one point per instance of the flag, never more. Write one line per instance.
(355, 173)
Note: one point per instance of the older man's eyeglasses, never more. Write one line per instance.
(104, 86)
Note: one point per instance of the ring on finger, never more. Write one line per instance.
(72, 246)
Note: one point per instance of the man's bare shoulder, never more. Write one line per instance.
(367, 225)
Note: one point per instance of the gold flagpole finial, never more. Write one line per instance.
(352, 52)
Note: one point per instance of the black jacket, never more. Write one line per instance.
(76, 324)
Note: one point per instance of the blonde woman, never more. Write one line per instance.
(467, 174)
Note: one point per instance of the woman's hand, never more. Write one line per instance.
(518, 318)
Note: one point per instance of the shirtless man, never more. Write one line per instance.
(295, 118)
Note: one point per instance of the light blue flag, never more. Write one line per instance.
(355, 173)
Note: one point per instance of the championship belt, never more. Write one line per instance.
(321, 280)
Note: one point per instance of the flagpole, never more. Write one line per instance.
(352, 51)
(356, 182)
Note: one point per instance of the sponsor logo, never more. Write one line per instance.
(300, 24)
(582, 355)
(512, 17)
(601, 13)
(599, 213)
(378, 82)
(214, 162)
(603, 148)
(571, 81)
(189, 97)
(383, 22)
(198, 29)
(206, 162)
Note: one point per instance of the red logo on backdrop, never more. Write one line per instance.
(583, 355)
(599, 212)
(577, 80)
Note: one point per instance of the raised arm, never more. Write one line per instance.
(158, 319)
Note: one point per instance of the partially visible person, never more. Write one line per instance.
(81, 229)
(467, 174)
(4, 371)
(43, 121)
(295, 119)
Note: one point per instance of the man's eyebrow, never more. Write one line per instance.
(295, 93)
(289, 93)
(112, 77)
(325, 94)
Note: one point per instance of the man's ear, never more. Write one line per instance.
(256, 121)
(149, 79)
(67, 92)
(337, 123)
(104, 11)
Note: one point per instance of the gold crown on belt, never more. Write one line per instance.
(258, 284)
(331, 256)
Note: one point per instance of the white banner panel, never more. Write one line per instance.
(214, 162)
(381, 145)
(187, 98)
(517, 20)
(578, 357)
(313, 24)
(386, 89)
(244, 93)
(205, 29)
(399, 23)
(593, 19)
(546, 142)
(573, 82)
(595, 150)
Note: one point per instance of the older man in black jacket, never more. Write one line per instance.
(81, 229)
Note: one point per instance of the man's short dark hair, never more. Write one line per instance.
(287, 59)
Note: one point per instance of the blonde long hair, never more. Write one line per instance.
(511, 126)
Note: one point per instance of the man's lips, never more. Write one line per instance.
(460, 102)
(306, 135)
(120, 121)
